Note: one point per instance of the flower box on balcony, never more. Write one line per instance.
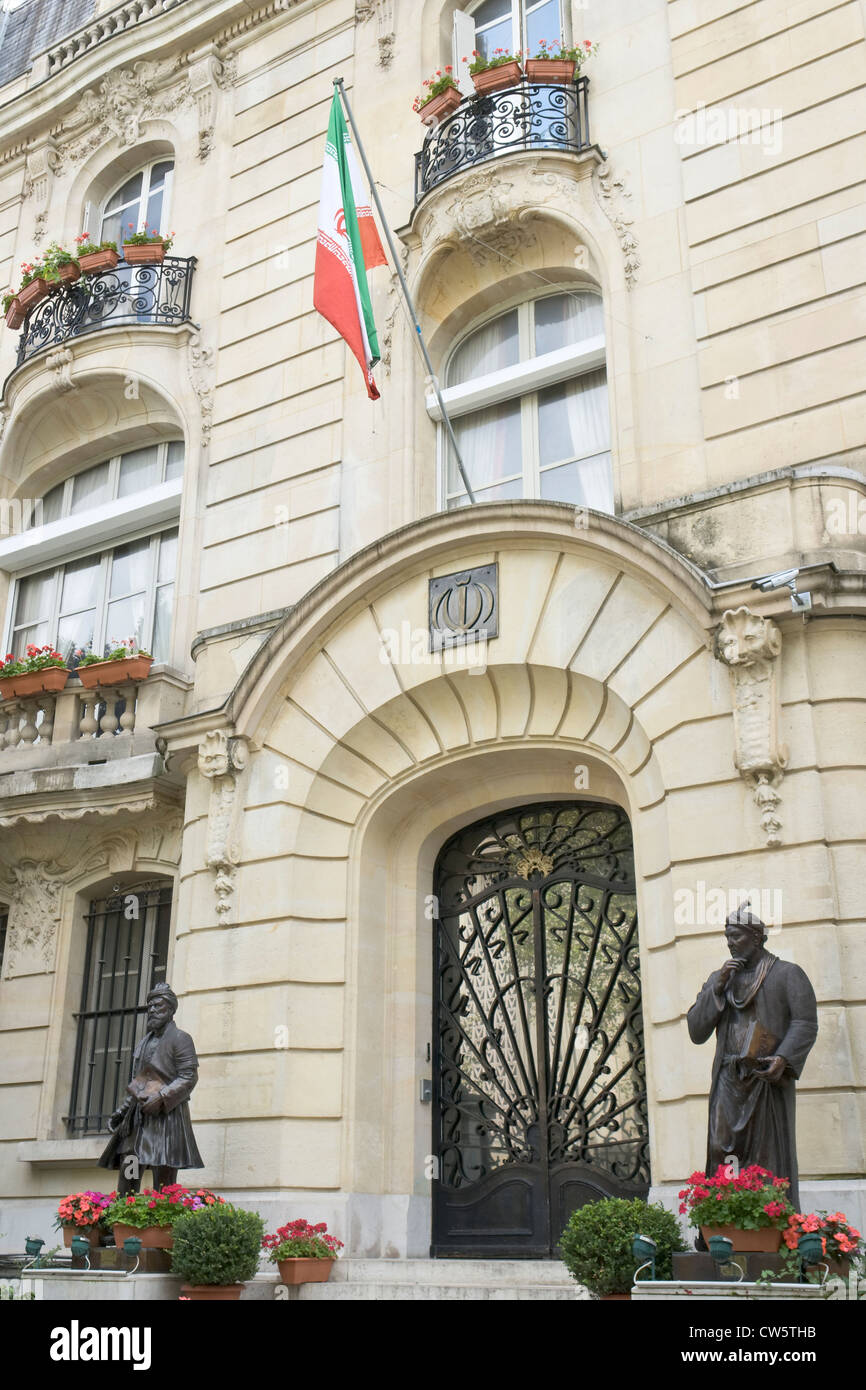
(50, 678)
(151, 253)
(437, 108)
(554, 70)
(31, 294)
(69, 272)
(15, 314)
(495, 78)
(96, 261)
(108, 673)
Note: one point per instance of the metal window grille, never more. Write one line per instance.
(126, 954)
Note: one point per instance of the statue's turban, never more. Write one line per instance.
(743, 918)
(163, 991)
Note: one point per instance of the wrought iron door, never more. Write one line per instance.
(539, 1081)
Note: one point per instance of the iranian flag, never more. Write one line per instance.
(348, 246)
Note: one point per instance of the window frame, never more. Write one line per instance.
(524, 380)
(519, 11)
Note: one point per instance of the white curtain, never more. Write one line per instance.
(562, 319)
(488, 349)
(589, 423)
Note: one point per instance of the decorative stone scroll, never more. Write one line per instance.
(200, 360)
(39, 176)
(34, 917)
(383, 12)
(612, 194)
(221, 759)
(749, 646)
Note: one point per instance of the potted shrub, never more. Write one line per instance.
(556, 62)
(62, 263)
(81, 1213)
(751, 1209)
(145, 248)
(596, 1244)
(840, 1242)
(94, 257)
(442, 96)
(41, 669)
(125, 661)
(304, 1254)
(501, 69)
(12, 310)
(216, 1249)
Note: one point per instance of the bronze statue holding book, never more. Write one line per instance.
(153, 1124)
(763, 1012)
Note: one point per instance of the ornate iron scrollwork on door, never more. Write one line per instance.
(539, 1078)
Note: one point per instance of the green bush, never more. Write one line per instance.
(596, 1243)
(217, 1245)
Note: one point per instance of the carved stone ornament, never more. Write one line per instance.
(42, 161)
(612, 195)
(220, 760)
(127, 97)
(383, 12)
(201, 372)
(486, 218)
(60, 362)
(749, 645)
(34, 918)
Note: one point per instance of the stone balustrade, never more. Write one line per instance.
(39, 725)
(104, 27)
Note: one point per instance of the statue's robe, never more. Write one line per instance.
(165, 1140)
(748, 1115)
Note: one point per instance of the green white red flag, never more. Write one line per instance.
(347, 247)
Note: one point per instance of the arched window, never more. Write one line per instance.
(96, 596)
(142, 199)
(527, 395)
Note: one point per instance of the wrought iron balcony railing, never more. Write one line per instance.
(529, 116)
(126, 295)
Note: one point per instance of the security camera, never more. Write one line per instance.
(777, 581)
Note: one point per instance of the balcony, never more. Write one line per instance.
(529, 116)
(78, 750)
(129, 294)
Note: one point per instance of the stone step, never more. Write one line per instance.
(491, 1273)
(352, 1290)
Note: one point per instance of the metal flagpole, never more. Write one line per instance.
(338, 83)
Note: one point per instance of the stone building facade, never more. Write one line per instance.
(650, 333)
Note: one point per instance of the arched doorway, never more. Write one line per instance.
(538, 1082)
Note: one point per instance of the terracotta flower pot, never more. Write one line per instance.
(69, 273)
(439, 107)
(608, 1297)
(303, 1270)
(93, 1234)
(33, 293)
(130, 668)
(200, 1293)
(765, 1241)
(153, 253)
(96, 261)
(34, 682)
(15, 314)
(151, 1237)
(494, 79)
(559, 70)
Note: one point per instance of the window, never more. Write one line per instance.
(122, 590)
(126, 955)
(105, 482)
(143, 200)
(527, 395)
(508, 24)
